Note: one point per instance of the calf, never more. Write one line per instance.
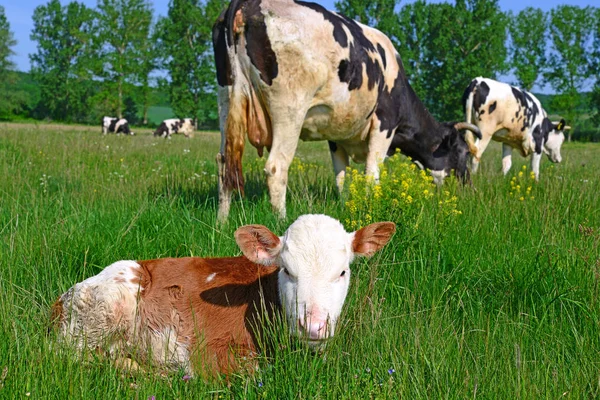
(115, 125)
(290, 70)
(513, 117)
(175, 125)
(202, 314)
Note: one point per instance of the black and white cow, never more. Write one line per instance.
(175, 125)
(115, 125)
(513, 117)
(290, 70)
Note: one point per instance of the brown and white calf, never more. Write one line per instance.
(513, 117)
(202, 314)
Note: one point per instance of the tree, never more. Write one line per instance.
(452, 45)
(148, 58)
(11, 100)
(124, 30)
(528, 45)
(595, 71)
(62, 64)
(569, 63)
(186, 36)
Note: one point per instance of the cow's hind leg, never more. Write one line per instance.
(224, 191)
(506, 158)
(339, 158)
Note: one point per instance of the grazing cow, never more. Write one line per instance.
(175, 125)
(115, 125)
(513, 117)
(290, 70)
(204, 314)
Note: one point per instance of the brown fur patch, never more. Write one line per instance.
(372, 237)
(215, 319)
(57, 315)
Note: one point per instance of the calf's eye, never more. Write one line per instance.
(343, 273)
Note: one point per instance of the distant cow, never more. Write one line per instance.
(115, 125)
(207, 314)
(175, 125)
(513, 117)
(290, 70)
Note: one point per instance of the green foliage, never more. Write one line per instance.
(12, 100)
(502, 301)
(464, 41)
(130, 111)
(186, 36)
(527, 45)
(375, 13)
(568, 65)
(471, 33)
(124, 29)
(63, 64)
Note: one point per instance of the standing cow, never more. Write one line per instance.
(115, 125)
(290, 70)
(513, 117)
(175, 125)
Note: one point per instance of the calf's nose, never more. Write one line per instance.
(314, 330)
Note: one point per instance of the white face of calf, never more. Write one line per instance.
(314, 257)
(556, 137)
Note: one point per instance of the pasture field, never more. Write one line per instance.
(501, 301)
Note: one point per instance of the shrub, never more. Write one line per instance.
(401, 194)
(522, 184)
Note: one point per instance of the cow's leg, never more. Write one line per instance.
(476, 159)
(286, 134)
(339, 158)
(535, 164)
(473, 160)
(379, 143)
(224, 191)
(506, 158)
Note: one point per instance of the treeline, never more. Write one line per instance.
(111, 59)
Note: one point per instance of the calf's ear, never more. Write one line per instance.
(258, 244)
(368, 240)
(561, 125)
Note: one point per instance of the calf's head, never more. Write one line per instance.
(313, 257)
(452, 154)
(555, 138)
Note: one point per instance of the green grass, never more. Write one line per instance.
(499, 302)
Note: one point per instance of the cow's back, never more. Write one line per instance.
(304, 58)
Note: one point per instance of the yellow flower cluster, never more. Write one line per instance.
(400, 194)
(521, 185)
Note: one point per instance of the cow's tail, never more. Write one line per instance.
(468, 96)
(235, 138)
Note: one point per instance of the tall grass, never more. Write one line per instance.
(500, 301)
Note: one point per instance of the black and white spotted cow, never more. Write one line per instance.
(290, 70)
(175, 125)
(513, 117)
(115, 125)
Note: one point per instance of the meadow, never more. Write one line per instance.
(500, 299)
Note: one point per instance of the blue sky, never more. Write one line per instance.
(19, 13)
